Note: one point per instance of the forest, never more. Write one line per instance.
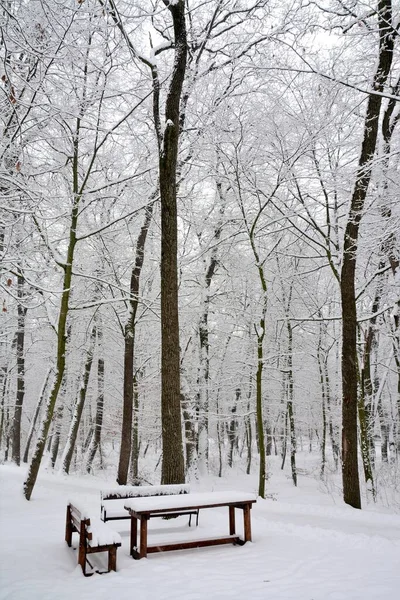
(199, 239)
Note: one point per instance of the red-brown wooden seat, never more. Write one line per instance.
(93, 537)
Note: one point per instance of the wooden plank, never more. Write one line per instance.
(68, 527)
(104, 548)
(152, 512)
(195, 544)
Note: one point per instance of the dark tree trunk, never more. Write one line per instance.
(323, 399)
(55, 440)
(290, 409)
(190, 432)
(36, 415)
(390, 120)
(173, 464)
(36, 460)
(95, 442)
(232, 429)
(134, 463)
(129, 353)
(79, 404)
(16, 430)
(350, 477)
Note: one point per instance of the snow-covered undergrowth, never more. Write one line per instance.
(307, 545)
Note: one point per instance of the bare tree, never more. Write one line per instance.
(351, 487)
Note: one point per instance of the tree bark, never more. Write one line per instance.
(33, 471)
(95, 442)
(129, 350)
(350, 477)
(79, 404)
(16, 431)
(36, 415)
(173, 466)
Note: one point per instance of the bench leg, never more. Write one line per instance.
(68, 527)
(112, 559)
(82, 557)
(133, 533)
(232, 527)
(143, 536)
(247, 523)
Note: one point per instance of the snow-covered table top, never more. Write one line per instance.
(182, 501)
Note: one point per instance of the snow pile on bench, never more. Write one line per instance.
(102, 534)
(134, 491)
(80, 504)
(198, 500)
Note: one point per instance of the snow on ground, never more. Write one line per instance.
(307, 545)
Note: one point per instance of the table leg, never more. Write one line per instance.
(133, 533)
(143, 536)
(232, 528)
(247, 522)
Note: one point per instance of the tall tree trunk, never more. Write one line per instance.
(79, 404)
(36, 415)
(4, 405)
(390, 120)
(55, 438)
(16, 430)
(290, 410)
(204, 339)
(134, 462)
(188, 411)
(323, 403)
(129, 348)
(95, 441)
(34, 466)
(232, 429)
(173, 465)
(351, 486)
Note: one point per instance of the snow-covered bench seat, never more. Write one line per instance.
(94, 536)
(112, 500)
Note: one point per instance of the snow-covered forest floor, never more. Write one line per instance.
(307, 545)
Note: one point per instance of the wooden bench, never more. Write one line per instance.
(115, 511)
(94, 536)
(142, 509)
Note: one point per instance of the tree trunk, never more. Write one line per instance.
(55, 438)
(134, 462)
(36, 415)
(129, 351)
(323, 403)
(190, 432)
(79, 404)
(33, 471)
(290, 410)
(351, 486)
(173, 464)
(204, 371)
(16, 430)
(232, 429)
(95, 442)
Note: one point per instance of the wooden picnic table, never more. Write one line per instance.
(142, 509)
